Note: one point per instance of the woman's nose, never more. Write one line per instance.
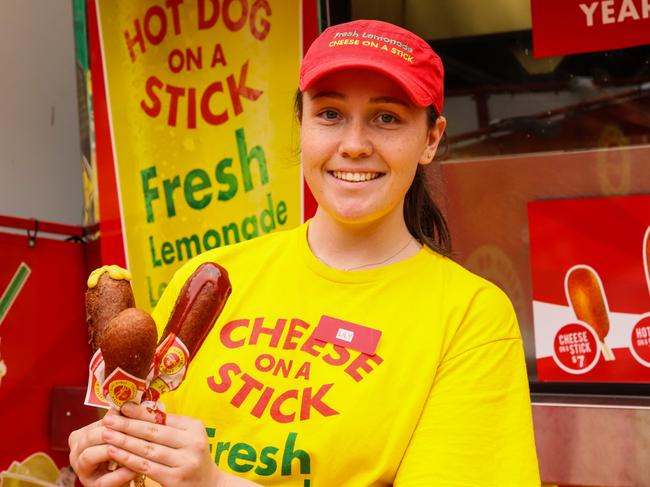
(355, 141)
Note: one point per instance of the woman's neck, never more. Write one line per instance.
(360, 246)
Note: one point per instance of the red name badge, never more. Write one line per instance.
(347, 334)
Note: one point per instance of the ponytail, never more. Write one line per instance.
(423, 218)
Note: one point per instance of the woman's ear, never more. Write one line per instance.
(433, 139)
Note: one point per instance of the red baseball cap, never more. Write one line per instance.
(379, 46)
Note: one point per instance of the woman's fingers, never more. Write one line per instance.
(135, 411)
(91, 468)
(152, 432)
(86, 437)
(173, 454)
(115, 478)
(88, 459)
(142, 448)
(86, 449)
(140, 465)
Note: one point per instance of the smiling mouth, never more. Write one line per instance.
(355, 177)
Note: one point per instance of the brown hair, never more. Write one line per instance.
(424, 220)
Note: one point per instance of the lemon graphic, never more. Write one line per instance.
(36, 470)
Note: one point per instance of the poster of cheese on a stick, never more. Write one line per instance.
(591, 288)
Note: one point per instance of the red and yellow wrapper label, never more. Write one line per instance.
(120, 387)
(94, 396)
(170, 366)
(115, 389)
(166, 374)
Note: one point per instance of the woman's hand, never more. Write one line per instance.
(174, 454)
(89, 458)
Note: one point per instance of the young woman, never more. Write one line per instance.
(352, 351)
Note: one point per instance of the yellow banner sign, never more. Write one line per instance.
(200, 96)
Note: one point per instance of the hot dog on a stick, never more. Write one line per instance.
(195, 312)
(198, 306)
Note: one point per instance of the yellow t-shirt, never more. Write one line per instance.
(442, 401)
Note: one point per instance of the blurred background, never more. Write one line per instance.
(547, 166)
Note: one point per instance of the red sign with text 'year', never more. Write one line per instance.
(576, 26)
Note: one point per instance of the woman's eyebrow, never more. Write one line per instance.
(329, 94)
(377, 99)
(388, 99)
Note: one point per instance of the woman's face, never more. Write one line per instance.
(361, 141)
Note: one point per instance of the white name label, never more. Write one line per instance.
(345, 335)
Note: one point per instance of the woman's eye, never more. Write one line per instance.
(387, 118)
(329, 114)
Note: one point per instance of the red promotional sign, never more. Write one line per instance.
(575, 26)
(43, 349)
(591, 288)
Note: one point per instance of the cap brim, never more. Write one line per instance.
(408, 84)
